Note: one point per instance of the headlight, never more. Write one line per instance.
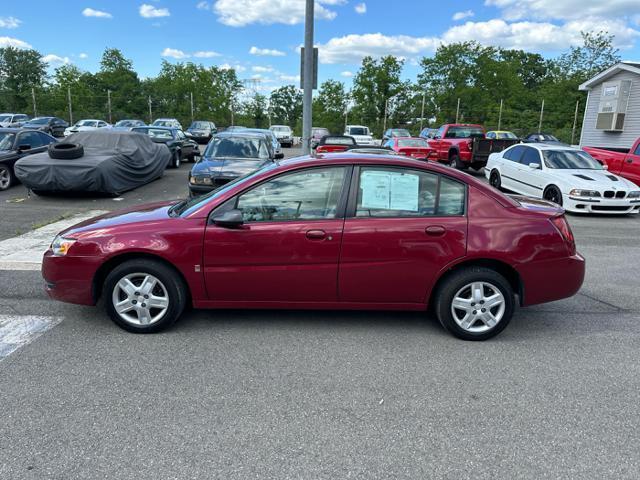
(634, 194)
(584, 193)
(200, 181)
(60, 245)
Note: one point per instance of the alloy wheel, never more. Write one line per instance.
(478, 307)
(140, 299)
(5, 178)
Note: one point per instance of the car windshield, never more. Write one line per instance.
(358, 131)
(190, 205)
(339, 141)
(163, 123)
(86, 123)
(199, 125)
(506, 135)
(319, 132)
(412, 142)
(127, 123)
(570, 159)
(6, 140)
(237, 147)
(280, 129)
(159, 133)
(400, 132)
(40, 121)
(464, 132)
(4, 118)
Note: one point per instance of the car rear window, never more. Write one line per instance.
(464, 132)
(412, 142)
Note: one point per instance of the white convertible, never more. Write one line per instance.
(564, 175)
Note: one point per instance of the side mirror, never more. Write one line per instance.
(188, 134)
(605, 166)
(534, 166)
(279, 156)
(436, 137)
(24, 147)
(229, 219)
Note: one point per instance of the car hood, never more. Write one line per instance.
(81, 129)
(226, 167)
(591, 179)
(151, 212)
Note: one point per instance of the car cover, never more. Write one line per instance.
(113, 162)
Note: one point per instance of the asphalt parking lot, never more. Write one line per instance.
(258, 394)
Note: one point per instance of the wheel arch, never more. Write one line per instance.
(102, 272)
(453, 151)
(507, 271)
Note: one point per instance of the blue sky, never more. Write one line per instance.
(260, 37)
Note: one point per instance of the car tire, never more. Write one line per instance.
(127, 285)
(495, 180)
(175, 160)
(7, 177)
(553, 194)
(469, 289)
(65, 151)
(454, 162)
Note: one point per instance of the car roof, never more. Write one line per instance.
(241, 133)
(13, 130)
(157, 127)
(549, 146)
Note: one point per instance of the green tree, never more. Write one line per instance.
(117, 77)
(330, 105)
(596, 54)
(20, 70)
(285, 104)
(255, 109)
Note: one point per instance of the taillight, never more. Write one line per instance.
(565, 230)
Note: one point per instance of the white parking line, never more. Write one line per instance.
(24, 252)
(18, 330)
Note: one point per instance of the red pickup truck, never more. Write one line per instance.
(463, 145)
(623, 162)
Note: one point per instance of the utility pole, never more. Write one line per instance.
(575, 122)
(384, 122)
(191, 95)
(541, 115)
(458, 110)
(109, 103)
(150, 114)
(33, 97)
(232, 120)
(69, 100)
(346, 115)
(307, 77)
(500, 115)
(422, 111)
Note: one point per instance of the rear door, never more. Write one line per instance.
(531, 180)
(509, 168)
(403, 226)
(631, 165)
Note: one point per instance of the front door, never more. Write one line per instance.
(288, 247)
(406, 225)
(631, 166)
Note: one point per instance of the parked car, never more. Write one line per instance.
(462, 145)
(229, 155)
(15, 144)
(410, 235)
(85, 126)
(13, 120)
(98, 162)
(316, 134)
(54, 126)
(395, 132)
(361, 134)
(181, 147)
(566, 176)
(501, 135)
(275, 144)
(202, 130)
(128, 124)
(336, 143)
(414, 147)
(284, 134)
(235, 128)
(428, 132)
(623, 162)
(542, 138)
(167, 122)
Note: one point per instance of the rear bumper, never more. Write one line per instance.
(70, 279)
(600, 205)
(551, 280)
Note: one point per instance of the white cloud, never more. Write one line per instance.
(351, 48)
(289, 78)
(361, 8)
(564, 9)
(174, 53)
(266, 52)
(260, 69)
(9, 22)
(238, 68)
(462, 15)
(206, 54)
(13, 42)
(55, 60)
(347, 74)
(203, 6)
(149, 11)
(83, 56)
(90, 12)
(238, 13)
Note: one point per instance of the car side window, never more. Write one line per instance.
(307, 195)
(491, 135)
(30, 138)
(46, 139)
(514, 153)
(637, 150)
(530, 155)
(395, 192)
(440, 132)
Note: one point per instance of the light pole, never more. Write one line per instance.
(307, 77)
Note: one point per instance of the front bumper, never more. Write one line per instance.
(608, 206)
(70, 279)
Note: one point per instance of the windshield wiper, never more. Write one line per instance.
(173, 211)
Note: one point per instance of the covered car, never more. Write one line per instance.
(100, 161)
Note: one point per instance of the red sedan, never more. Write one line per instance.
(414, 147)
(345, 231)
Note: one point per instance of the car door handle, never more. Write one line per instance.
(316, 234)
(629, 160)
(435, 230)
